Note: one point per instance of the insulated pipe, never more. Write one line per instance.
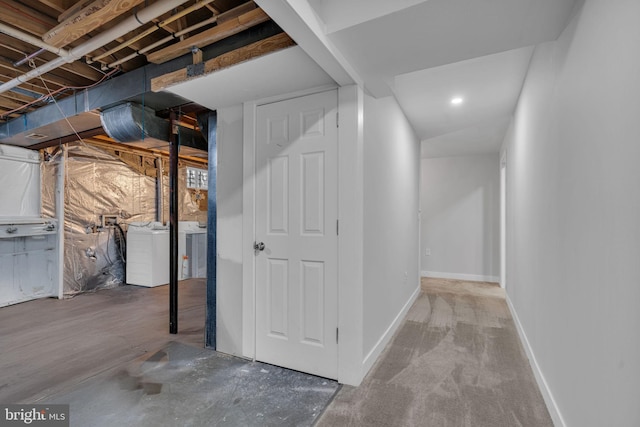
(131, 23)
(28, 38)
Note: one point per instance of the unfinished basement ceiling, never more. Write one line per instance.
(63, 61)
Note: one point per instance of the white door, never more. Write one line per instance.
(296, 220)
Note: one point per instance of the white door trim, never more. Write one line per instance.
(350, 214)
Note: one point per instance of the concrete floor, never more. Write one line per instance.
(110, 356)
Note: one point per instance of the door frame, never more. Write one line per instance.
(350, 213)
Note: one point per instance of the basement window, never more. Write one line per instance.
(197, 178)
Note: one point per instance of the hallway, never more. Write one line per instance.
(459, 364)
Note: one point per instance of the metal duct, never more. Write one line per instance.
(131, 123)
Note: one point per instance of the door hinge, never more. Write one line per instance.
(336, 335)
(337, 119)
(337, 227)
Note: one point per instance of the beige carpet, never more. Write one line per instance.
(455, 362)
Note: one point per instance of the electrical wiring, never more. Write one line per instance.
(51, 95)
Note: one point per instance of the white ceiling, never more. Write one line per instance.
(489, 85)
(285, 71)
(423, 52)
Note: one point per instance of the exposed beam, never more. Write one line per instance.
(28, 86)
(48, 78)
(25, 18)
(212, 35)
(254, 50)
(9, 104)
(128, 86)
(21, 49)
(75, 7)
(86, 20)
(236, 11)
(57, 5)
(18, 97)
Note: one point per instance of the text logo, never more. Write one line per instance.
(34, 415)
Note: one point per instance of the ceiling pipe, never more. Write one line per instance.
(163, 41)
(135, 21)
(151, 30)
(29, 57)
(28, 38)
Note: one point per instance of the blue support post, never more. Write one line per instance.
(212, 210)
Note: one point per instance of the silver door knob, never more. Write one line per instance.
(258, 246)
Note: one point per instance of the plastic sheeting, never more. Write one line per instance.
(99, 184)
(19, 183)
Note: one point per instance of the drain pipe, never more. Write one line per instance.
(28, 38)
(131, 23)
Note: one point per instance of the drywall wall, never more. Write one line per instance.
(229, 238)
(460, 217)
(391, 180)
(573, 210)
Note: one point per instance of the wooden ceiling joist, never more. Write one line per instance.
(104, 141)
(52, 81)
(8, 103)
(27, 86)
(212, 35)
(253, 50)
(86, 20)
(57, 5)
(25, 18)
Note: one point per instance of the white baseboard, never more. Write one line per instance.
(459, 276)
(375, 352)
(554, 411)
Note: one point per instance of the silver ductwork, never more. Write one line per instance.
(131, 122)
(134, 124)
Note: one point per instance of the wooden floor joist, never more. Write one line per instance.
(253, 50)
(212, 35)
(86, 20)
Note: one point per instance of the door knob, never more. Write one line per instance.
(258, 246)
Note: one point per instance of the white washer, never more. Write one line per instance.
(147, 254)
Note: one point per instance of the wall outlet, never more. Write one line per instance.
(427, 252)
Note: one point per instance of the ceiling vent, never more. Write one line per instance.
(35, 136)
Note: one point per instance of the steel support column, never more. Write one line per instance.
(212, 214)
(174, 141)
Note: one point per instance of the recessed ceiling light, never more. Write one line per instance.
(457, 100)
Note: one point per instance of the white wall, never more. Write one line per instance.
(229, 271)
(391, 180)
(460, 217)
(574, 216)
